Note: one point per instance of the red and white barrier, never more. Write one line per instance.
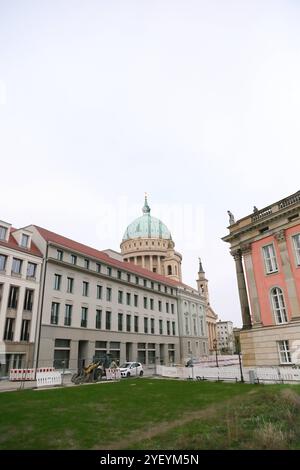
(27, 374)
(46, 379)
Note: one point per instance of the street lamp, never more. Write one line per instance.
(215, 347)
(238, 350)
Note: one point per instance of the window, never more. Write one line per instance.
(270, 259)
(61, 354)
(166, 289)
(167, 307)
(128, 322)
(296, 240)
(108, 294)
(120, 321)
(152, 285)
(85, 288)
(86, 263)
(98, 319)
(70, 285)
(31, 270)
(284, 352)
(99, 292)
(145, 282)
(54, 313)
(159, 287)
(173, 328)
(169, 270)
(119, 274)
(108, 271)
(25, 330)
(187, 332)
(59, 255)
(28, 300)
(57, 281)
(195, 326)
(159, 305)
(9, 329)
(151, 304)
(136, 279)
(13, 297)
(160, 327)
(128, 277)
(152, 325)
(278, 305)
(168, 328)
(84, 314)
(136, 324)
(16, 266)
(145, 302)
(120, 297)
(136, 300)
(68, 314)
(3, 259)
(108, 321)
(128, 298)
(145, 325)
(201, 327)
(24, 240)
(98, 267)
(3, 232)
(73, 259)
(172, 308)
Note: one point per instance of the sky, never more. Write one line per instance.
(194, 102)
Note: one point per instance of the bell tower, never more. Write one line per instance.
(202, 282)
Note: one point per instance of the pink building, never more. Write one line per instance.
(266, 249)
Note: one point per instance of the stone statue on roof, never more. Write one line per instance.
(231, 218)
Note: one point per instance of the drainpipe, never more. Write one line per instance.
(42, 294)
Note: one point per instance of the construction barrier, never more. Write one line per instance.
(113, 374)
(27, 374)
(46, 379)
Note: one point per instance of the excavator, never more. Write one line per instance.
(94, 372)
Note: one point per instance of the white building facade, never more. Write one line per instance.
(20, 271)
(225, 337)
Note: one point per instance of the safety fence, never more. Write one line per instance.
(113, 374)
(27, 374)
(46, 379)
(233, 374)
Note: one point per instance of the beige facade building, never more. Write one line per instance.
(225, 337)
(93, 304)
(20, 271)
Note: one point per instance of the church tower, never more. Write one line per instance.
(202, 282)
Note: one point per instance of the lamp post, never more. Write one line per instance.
(215, 347)
(238, 350)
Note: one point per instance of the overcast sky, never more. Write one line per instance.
(195, 102)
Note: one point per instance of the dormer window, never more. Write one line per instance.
(24, 240)
(3, 232)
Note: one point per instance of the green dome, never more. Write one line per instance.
(147, 226)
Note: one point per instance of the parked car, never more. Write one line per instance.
(131, 369)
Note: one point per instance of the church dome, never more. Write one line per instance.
(147, 226)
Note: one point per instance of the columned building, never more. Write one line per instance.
(265, 246)
(20, 270)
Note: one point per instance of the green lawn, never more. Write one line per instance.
(152, 414)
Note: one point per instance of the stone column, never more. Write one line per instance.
(135, 260)
(253, 294)
(158, 265)
(242, 289)
(288, 275)
(151, 262)
(143, 261)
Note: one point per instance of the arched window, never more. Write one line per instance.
(278, 305)
(169, 269)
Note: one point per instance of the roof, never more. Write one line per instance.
(147, 226)
(13, 244)
(72, 245)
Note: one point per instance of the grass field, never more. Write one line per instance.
(152, 414)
